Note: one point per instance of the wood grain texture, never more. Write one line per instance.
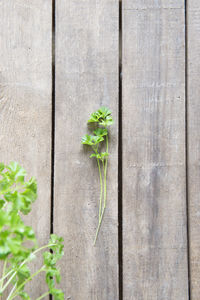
(25, 100)
(152, 4)
(154, 198)
(86, 78)
(193, 104)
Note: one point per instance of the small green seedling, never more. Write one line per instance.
(102, 118)
(18, 244)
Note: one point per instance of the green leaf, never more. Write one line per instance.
(2, 202)
(30, 234)
(4, 185)
(4, 251)
(10, 197)
(87, 140)
(99, 115)
(55, 239)
(102, 116)
(101, 155)
(14, 245)
(17, 172)
(57, 294)
(104, 111)
(31, 185)
(97, 155)
(50, 260)
(2, 166)
(104, 154)
(101, 132)
(22, 274)
(107, 121)
(94, 118)
(4, 218)
(24, 295)
(91, 140)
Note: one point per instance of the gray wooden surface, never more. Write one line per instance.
(86, 78)
(154, 181)
(25, 100)
(155, 258)
(193, 14)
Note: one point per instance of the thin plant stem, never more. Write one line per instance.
(25, 261)
(25, 282)
(101, 217)
(12, 291)
(2, 279)
(100, 220)
(101, 191)
(43, 295)
(97, 231)
(3, 274)
(8, 282)
(105, 193)
(105, 166)
(105, 175)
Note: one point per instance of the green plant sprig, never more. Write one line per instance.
(16, 198)
(102, 118)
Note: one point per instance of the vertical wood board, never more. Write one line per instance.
(86, 78)
(25, 101)
(193, 104)
(154, 198)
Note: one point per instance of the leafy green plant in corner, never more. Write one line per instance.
(18, 244)
(102, 118)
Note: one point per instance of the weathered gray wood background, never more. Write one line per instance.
(61, 60)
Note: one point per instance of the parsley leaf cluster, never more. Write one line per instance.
(102, 118)
(18, 243)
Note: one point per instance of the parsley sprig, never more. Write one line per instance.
(16, 198)
(102, 118)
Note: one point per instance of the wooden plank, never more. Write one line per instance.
(154, 198)
(86, 78)
(194, 142)
(25, 100)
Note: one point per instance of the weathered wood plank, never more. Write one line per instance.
(193, 104)
(154, 199)
(25, 100)
(86, 78)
